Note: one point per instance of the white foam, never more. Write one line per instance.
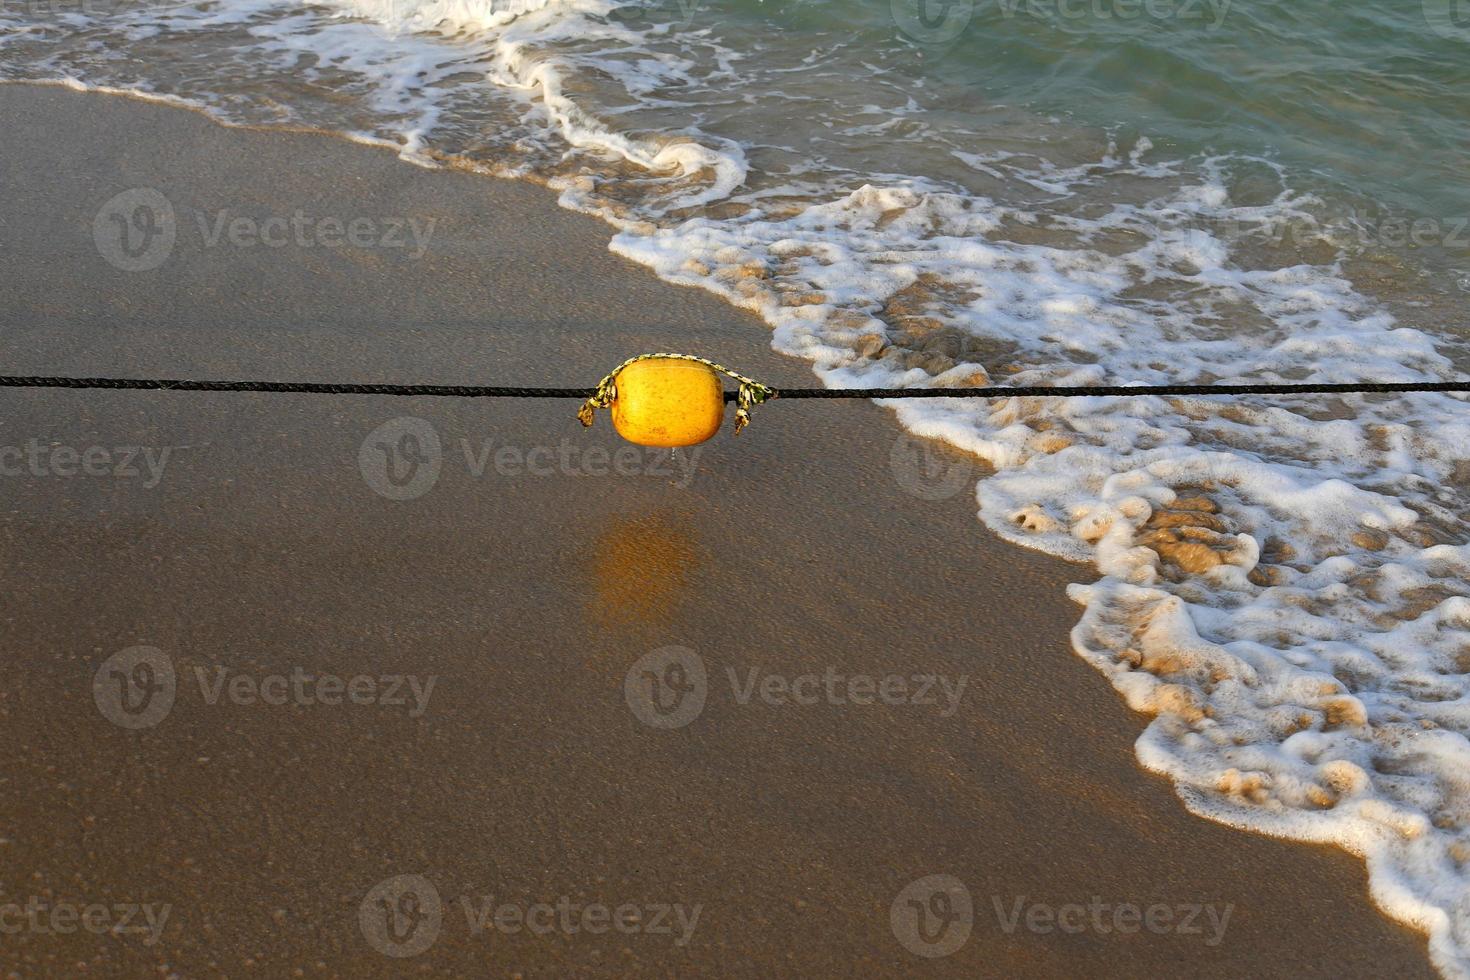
(1325, 705)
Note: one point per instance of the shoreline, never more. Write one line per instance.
(266, 548)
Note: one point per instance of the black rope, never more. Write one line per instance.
(1096, 390)
(293, 387)
(485, 391)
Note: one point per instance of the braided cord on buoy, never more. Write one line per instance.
(750, 393)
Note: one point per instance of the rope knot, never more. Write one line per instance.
(751, 393)
(603, 397)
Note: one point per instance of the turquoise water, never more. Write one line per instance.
(1372, 97)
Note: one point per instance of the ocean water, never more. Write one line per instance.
(941, 192)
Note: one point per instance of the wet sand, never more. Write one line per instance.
(526, 582)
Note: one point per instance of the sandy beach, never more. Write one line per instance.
(502, 612)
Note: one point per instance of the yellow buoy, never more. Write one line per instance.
(668, 402)
(671, 399)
